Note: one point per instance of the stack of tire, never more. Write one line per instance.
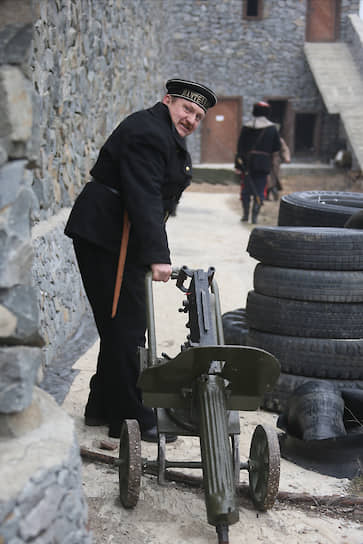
(307, 304)
(235, 327)
(318, 208)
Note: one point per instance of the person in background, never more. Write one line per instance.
(118, 229)
(273, 179)
(257, 142)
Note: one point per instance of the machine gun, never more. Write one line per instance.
(199, 393)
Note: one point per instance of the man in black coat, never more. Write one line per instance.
(140, 173)
(258, 140)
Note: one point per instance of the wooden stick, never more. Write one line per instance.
(121, 263)
(243, 489)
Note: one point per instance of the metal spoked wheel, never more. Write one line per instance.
(264, 467)
(129, 463)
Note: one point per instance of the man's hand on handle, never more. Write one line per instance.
(161, 271)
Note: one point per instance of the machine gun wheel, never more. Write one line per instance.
(264, 467)
(129, 469)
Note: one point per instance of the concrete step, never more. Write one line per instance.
(335, 74)
(341, 87)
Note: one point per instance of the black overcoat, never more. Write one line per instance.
(147, 165)
(143, 167)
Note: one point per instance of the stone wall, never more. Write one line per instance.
(20, 340)
(92, 63)
(355, 40)
(348, 7)
(41, 497)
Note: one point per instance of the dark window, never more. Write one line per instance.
(278, 110)
(253, 9)
(305, 132)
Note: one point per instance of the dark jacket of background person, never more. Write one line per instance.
(257, 142)
(259, 135)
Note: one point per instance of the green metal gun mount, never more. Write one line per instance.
(199, 393)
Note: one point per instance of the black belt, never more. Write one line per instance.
(114, 191)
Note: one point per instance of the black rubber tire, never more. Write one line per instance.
(301, 318)
(235, 327)
(313, 285)
(310, 248)
(318, 208)
(277, 398)
(238, 314)
(315, 357)
(355, 221)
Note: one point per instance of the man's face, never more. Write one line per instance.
(185, 115)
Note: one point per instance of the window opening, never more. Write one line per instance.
(253, 9)
(304, 132)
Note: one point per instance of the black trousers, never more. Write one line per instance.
(113, 392)
(258, 188)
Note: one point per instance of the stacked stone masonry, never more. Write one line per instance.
(355, 39)
(41, 497)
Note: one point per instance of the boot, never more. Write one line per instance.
(255, 210)
(275, 193)
(246, 211)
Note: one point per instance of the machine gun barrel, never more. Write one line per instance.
(206, 329)
(218, 475)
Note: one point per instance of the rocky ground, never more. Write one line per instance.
(207, 231)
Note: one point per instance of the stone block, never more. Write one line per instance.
(21, 302)
(11, 181)
(3, 151)
(16, 424)
(18, 370)
(32, 498)
(7, 322)
(16, 106)
(43, 515)
(15, 203)
(15, 31)
(16, 258)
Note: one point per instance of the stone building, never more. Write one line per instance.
(69, 71)
(256, 49)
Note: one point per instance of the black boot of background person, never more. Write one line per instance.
(275, 193)
(255, 211)
(246, 211)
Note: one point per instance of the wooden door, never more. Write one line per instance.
(220, 131)
(322, 20)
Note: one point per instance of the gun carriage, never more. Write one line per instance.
(199, 393)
